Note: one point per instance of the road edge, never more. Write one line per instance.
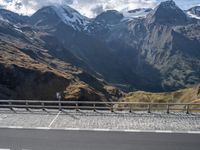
(103, 130)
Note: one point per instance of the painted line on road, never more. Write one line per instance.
(15, 127)
(10, 149)
(104, 130)
(194, 132)
(163, 131)
(54, 119)
(42, 128)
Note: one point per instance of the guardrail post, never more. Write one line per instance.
(130, 110)
(27, 106)
(111, 109)
(77, 109)
(10, 105)
(94, 107)
(168, 108)
(149, 108)
(188, 109)
(43, 108)
(60, 106)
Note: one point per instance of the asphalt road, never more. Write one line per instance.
(20, 139)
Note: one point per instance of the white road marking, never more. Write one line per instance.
(42, 128)
(132, 130)
(9, 149)
(193, 132)
(54, 119)
(100, 130)
(15, 127)
(163, 131)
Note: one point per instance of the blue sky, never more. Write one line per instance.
(88, 8)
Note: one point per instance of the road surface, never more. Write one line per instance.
(27, 139)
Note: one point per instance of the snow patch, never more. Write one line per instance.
(17, 29)
(193, 15)
(71, 17)
(2, 19)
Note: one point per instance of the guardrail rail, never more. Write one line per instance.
(94, 105)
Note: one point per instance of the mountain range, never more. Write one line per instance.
(59, 50)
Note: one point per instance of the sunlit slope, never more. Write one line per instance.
(182, 96)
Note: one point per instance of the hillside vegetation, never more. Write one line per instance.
(190, 95)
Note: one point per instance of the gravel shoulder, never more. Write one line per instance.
(100, 120)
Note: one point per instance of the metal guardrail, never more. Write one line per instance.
(112, 106)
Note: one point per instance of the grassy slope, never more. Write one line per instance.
(190, 95)
(182, 96)
(28, 71)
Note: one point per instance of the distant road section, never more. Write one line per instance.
(21, 139)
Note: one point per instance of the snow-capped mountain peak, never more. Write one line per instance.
(71, 17)
(59, 13)
(167, 13)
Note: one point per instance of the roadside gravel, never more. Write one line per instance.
(100, 120)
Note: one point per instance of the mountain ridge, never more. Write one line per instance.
(153, 53)
(168, 13)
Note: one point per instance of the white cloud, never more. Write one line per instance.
(19, 6)
(93, 7)
(88, 8)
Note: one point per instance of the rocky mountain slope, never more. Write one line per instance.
(159, 52)
(58, 49)
(29, 71)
